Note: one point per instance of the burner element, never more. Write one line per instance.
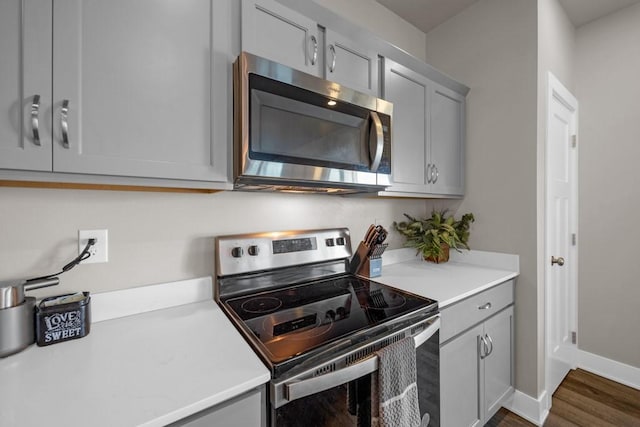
(261, 304)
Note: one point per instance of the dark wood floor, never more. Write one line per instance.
(586, 400)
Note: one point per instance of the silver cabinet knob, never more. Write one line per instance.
(559, 261)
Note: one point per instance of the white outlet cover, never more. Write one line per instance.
(100, 251)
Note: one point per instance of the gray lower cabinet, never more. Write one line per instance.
(427, 133)
(116, 88)
(247, 410)
(476, 365)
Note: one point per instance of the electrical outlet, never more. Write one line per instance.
(100, 251)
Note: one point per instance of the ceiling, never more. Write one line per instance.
(427, 14)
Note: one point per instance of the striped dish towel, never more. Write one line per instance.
(394, 392)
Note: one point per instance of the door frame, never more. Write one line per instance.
(557, 91)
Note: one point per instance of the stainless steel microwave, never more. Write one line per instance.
(296, 132)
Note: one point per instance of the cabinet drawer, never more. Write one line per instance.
(466, 313)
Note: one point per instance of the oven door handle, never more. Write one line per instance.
(296, 389)
(424, 336)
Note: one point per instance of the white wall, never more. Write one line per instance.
(556, 47)
(158, 237)
(491, 47)
(607, 70)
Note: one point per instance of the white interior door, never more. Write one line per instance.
(561, 229)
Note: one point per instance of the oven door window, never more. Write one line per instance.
(339, 406)
(292, 125)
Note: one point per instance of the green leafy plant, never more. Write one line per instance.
(434, 235)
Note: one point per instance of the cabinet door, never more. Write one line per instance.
(459, 380)
(247, 410)
(447, 140)
(351, 64)
(137, 79)
(498, 375)
(409, 93)
(277, 33)
(26, 78)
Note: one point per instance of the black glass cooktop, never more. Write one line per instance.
(294, 320)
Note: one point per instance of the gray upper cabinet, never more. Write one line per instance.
(126, 89)
(354, 65)
(409, 92)
(447, 121)
(427, 134)
(25, 85)
(281, 34)
(275, 32)
(139, 81)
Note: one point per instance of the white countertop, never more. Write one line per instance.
(146, 369)
(466, 274)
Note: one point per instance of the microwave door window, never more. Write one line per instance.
(290, 131)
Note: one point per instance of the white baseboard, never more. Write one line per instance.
(529, 408)
(610, 369)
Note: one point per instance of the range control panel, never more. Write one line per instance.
(245, 253)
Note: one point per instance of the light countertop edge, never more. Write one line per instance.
(466, 274)
(172, 355)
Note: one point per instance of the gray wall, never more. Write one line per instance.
(491, 47)
(159, 237)
(607, 70)
(556, 47)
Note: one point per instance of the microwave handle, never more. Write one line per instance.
(297, 389)
(376, 141)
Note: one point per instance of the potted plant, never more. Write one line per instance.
(434, 235)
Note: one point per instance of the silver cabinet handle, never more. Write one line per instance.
(64, 123)
(485, 306)
(35, 127)
(490, 350)
(559, 261)
(332, 67)
(376, 141)
(482, 345)
(437, 174)
(314, 57)
(428, 172)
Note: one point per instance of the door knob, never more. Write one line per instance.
(559, 261)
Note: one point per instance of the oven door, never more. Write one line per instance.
(342, 397)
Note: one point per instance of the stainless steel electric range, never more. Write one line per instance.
(317, 327)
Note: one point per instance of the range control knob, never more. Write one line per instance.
(253, 250)
(340, 241)
(330, 242)
(330, 315)
(341, 312)
(237, 252)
